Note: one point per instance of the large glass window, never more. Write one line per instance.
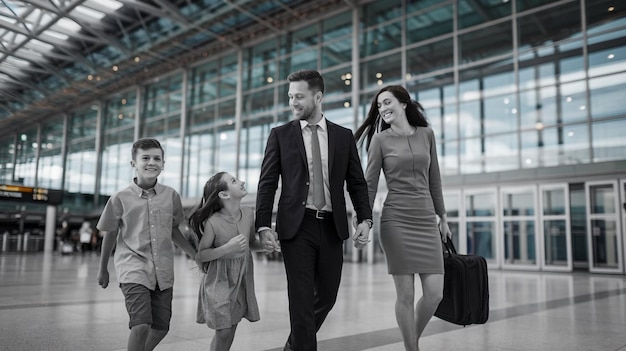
(116, 155)
(200, 163)
(50, 174)
(486, 43)
(381, 39)
(501, 153)
(555, 146)
(252, 143)
(80, 167)
(7, 150)
(429, 23)
(607, 95)
(381, 72)
(540, 28)
(473, 12)
(608, 140)
(337, 40)
(25, 160)
(378, 12)
(430, 57)
(121, 110)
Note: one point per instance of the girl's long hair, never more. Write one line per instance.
(209, 204)
(373, 123)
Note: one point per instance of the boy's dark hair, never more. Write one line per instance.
(146, 143)
(314, 78)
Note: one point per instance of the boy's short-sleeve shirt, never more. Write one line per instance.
(144, 218)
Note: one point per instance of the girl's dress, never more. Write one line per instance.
(408, 225)
(227, 288)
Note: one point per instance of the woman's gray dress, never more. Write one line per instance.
(408, 226)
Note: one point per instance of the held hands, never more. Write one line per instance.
(361, 234)
(270, 241)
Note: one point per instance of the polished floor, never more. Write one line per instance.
(52, 302)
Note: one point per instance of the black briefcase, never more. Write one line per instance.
(465, 288)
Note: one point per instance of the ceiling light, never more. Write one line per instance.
(137, 59)
(115, 68)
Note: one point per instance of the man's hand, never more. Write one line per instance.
(103, 278)
(270, 241)
(361, 235)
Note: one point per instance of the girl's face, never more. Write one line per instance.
(235, 187)
(390, 108)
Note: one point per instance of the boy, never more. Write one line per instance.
(143, 221)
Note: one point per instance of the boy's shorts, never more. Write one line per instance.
(146, 306)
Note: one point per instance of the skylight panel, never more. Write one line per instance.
(113, 5)
(39, 45)
(68, 24)
(56, 34)
(82, 11)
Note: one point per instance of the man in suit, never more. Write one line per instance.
(311, 222)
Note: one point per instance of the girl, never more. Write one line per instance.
(226, 236)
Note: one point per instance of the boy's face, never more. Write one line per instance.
(149, 163)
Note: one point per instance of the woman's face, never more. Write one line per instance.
(390, 108)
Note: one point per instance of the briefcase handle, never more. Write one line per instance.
(449, 246)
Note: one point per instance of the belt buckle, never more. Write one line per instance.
(319, 214)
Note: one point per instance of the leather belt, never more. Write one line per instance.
(318, 214)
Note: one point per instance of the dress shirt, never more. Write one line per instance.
(144, 219)
(322, 134)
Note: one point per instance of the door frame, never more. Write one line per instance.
(503, 190)
(615, 216)
(568, 229)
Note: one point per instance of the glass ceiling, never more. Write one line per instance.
(58, 54)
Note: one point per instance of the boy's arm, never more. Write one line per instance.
(179, 239)
(108, 242)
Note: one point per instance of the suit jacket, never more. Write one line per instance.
(285, 158)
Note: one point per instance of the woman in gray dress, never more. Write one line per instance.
(399, 141)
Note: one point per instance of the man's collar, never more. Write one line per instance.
(321, 123)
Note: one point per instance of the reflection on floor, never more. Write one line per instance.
(52, 302)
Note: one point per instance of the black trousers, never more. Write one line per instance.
(313, 262)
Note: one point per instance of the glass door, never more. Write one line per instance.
(604, 241)
(555, 232)
(519, 244)
(622, 210)
(452, 200)
(480, 215)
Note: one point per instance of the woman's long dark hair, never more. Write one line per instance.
(209, 204)
(414, 114)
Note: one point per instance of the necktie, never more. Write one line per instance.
(318, 178)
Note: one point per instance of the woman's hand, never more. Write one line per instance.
(444, 230)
